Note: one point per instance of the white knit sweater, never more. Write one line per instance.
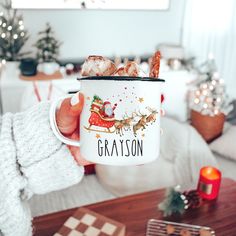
(32, 160)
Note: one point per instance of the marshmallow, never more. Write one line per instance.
(130, 69)
(98, 66)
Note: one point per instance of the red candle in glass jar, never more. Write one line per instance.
(209, 182)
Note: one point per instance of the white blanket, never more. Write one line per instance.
(183, 153)
(186, 149)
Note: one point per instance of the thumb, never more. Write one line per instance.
(77, 103)
(67, 115)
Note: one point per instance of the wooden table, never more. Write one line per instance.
(40, 76)
(135, 210)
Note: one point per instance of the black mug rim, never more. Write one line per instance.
(122, 78)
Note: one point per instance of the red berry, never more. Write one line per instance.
(162, 98)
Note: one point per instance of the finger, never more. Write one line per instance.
(75, 151)
(67, 116)
(75, 135)
(66, 122)
(77, 103)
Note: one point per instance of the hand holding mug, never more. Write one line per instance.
(67, 119)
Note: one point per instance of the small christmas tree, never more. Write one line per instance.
(173, 203)
(178, 202)
(12, 33)
(209, 94)
(47, 46)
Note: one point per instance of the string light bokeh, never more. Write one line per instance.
(12, 34)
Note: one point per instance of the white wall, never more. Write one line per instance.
(108, 32)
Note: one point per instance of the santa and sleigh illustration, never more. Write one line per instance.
(103, 118)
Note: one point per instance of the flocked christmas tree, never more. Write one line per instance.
(209, 95)
(12, 33)
(47, 46)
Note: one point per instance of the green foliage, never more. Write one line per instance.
(173, 203)
(47, 46)
(95, 97)
(12, 33)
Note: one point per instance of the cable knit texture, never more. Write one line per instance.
(32, 160)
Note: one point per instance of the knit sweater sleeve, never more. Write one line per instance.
(32, 160)
(44, 160)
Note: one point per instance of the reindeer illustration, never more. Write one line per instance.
(125, 124)
(140, 124)
(127, 121)
(152, 117)
(119, 125)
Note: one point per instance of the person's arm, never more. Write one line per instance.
(15, 218)
(46, 163)
(32, 160)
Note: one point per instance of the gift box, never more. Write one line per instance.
(96, 106)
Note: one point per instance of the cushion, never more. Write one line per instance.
(225, 145)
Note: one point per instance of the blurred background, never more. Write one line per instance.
(43, 45)
(188, 33)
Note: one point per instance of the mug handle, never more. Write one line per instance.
(53, 123)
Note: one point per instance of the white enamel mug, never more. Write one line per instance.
(120, 120)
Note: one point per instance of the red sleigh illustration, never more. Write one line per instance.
(102, 115)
